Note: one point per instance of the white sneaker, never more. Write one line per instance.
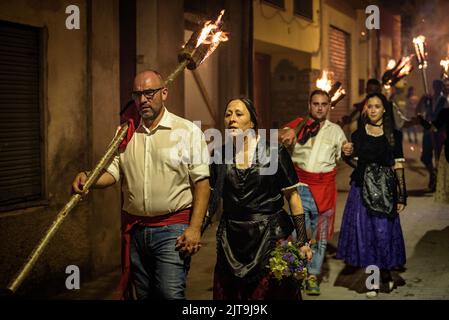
(390, 286)
(372, 293)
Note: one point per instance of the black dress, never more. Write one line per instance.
(253, 219)
(368, 237)
(442, 188)
(376, 155)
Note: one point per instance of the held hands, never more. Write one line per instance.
(347, 149)
(306, 251)
(189, 242)
(78, 184)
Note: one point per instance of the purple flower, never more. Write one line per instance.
(288, 257)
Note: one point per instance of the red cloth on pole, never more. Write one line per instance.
(324, 190)
(129, 135)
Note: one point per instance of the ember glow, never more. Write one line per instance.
(339, 95)
(391, 64)
(445, 65)
(398, 71)
(324, 83)
(420, 49)
(335, 90)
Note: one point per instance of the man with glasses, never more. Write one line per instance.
(165, 194)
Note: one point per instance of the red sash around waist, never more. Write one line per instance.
(128, 222)
(322, 186)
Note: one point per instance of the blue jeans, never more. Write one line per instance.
(311, 212)
(157, 269)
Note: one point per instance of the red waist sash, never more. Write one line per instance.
(128, 222)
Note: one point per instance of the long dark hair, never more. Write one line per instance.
(250, 107)
(387, 118)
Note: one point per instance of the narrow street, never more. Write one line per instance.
(426, 231)
(425, 226)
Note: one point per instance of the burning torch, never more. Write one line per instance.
(199, 47)
(421, 58)
(335, 90)
(397, 71)
(445, 71)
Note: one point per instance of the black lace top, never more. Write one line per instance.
(370, 149)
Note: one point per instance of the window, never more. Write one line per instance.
(277, 3)
(303, 8)
(21, 173)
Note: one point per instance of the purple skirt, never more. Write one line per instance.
(369, 240)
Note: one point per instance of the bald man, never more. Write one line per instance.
(165, 194)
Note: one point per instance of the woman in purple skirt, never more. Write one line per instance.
(371, 232)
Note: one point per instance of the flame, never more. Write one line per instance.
(405, 66)
(420, 49)
(211, 32)
(399, 71)
(324, 83)
(445, 65)
(340, 92)
(212, 35)
(391, 64)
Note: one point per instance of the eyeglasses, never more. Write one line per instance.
(148, 94)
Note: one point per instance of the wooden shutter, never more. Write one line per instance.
(339, 54)
(20, 115)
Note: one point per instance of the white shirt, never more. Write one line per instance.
(160, 165)
(320, 153)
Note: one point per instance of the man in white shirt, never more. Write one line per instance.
(317, 146)
(165, 171)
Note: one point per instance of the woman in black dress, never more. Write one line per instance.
(252, 183)
(371, 232)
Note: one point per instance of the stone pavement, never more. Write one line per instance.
(426, 231)
(425, 226)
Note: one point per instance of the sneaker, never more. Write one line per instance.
(390, 285)
(312, 287)
(372, 293)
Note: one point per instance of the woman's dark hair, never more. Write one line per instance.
(250, 107)
(387, 118)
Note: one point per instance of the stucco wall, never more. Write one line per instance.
(80, 117)
(65, 149)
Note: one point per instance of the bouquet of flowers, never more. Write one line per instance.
(288, 262)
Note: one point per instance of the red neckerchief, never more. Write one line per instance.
(308, 130)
